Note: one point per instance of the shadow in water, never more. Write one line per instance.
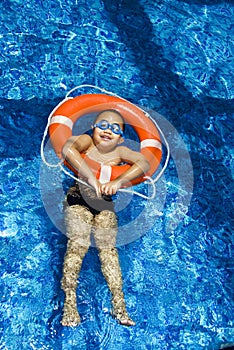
(136, 32)
(206, 2)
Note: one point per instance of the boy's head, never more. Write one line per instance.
(108, 126)
(110, 113)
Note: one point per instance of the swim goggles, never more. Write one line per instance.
(104, 125)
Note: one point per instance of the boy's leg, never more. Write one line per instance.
(105, 239)
(78, 222)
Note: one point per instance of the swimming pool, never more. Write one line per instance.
(173, 57)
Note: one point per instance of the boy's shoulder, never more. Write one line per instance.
(81, 137)
(123, 149)
(81, 142)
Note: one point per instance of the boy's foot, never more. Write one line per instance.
(126, 321)
(123, 318)
(71, 317)
(70, 314)
(119, 310)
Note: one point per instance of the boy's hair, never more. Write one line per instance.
(112, 111)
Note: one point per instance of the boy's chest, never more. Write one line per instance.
(110, 158)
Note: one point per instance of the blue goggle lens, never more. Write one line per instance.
(104, 125)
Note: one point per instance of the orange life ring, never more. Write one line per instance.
(68, 112)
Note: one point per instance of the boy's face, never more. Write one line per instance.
(107, 138)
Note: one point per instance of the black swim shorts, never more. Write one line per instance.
(80, 194)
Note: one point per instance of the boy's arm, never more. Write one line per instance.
(72, 153)
(139, 166)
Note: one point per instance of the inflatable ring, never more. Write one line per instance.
(69, 111)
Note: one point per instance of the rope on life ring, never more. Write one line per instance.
(67, 112)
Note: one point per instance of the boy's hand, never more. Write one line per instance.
(110, 188)
(96, 185)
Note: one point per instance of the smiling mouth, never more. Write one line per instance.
(106, 137)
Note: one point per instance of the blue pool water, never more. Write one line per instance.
(172, 57)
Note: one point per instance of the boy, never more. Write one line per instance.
(93, 208)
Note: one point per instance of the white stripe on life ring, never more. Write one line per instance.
(61, 119)
(105, 174)
(151, 143)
